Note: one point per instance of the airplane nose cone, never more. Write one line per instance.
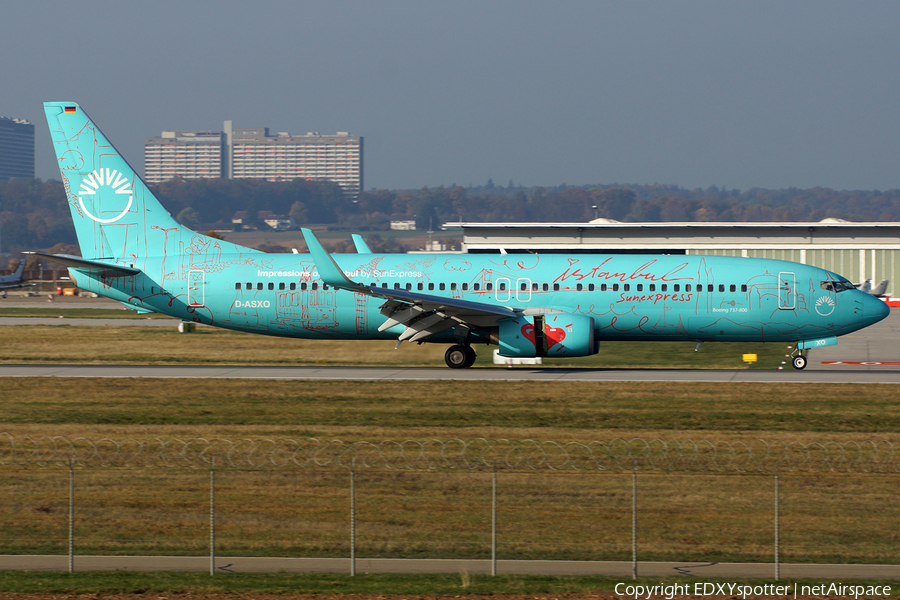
(875, 309)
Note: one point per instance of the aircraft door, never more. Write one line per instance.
(787, 290)
(503, 291)
(523, 289)
(196, 281)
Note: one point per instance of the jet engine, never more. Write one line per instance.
(552, 335)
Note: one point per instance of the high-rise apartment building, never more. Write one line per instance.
(191, 155)
(16, 148)
(252, 153)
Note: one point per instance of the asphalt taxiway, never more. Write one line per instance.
(836, 375)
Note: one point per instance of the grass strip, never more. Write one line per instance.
(119, 582)
(377, 410)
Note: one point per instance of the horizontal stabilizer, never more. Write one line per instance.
(76, 262)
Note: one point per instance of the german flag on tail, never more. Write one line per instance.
(70, 110)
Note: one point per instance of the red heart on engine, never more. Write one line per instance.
(528, 331)
(554, 336)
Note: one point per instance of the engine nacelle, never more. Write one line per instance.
(551, 335)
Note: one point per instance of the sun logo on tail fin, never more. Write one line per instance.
(109, 178)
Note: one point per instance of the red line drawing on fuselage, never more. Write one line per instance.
(314, 309)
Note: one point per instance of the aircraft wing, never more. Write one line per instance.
(76, 262)
(422, 314)
(12, 286)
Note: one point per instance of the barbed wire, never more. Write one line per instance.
(759, 456)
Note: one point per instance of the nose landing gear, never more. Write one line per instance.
(459, 356)
(798, 359)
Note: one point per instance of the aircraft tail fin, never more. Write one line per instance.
(117, 218)
(879, 290)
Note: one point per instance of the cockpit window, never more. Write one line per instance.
(837, 286)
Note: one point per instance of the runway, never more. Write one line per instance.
(623, 569)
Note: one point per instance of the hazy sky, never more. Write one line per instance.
(734, 94)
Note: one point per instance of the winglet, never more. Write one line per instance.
(329, 270)
(361, 246)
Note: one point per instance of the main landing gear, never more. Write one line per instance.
(459, 356)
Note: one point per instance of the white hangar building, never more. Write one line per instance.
(858, 251)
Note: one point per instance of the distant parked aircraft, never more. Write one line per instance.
(877, 291)
(535, 305)
(13, 281)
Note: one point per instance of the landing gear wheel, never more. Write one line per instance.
(470, 356)
(799, 362)
(459, 357)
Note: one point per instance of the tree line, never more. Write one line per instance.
(34, 214)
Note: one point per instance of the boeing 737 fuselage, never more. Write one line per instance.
(530, 305)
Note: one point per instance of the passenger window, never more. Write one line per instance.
(271, 286)
(722, 287)
(430, 287)
(237, 286)
(476, 286)
(626, 287)
(396, 286)
(676, 288)
(664, 287)
(259, 286)
(652, 287)
(579, 287)
(443, 286)
(293, 286)
(710, 288)
(732, 288)
(523, 287)
(384, 285)
(502, 287)
(302, 286)
(249, 286)
(419, 286)
(687, 287)
(315, 286)
(640, 287)
(545, 286)
(453, 286)
(590, 287)
(281, 286)
(490, 287)
(556, 287)
(615, 287)
(744, 288)
(465, 286)
(603, 287)
(324, 286)
(408, 287)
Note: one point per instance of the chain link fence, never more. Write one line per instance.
(621, 499)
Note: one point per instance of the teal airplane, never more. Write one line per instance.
(529, 305)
